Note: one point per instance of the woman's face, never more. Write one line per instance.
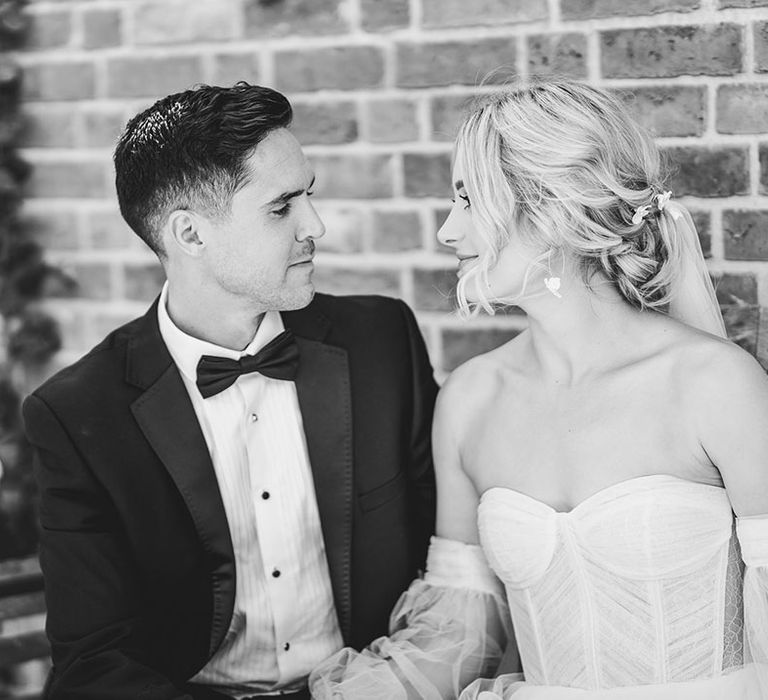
(459, 231)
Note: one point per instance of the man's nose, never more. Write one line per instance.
(312, 227)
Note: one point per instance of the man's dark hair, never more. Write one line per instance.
(188, 151)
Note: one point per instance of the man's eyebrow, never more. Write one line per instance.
(286, 196)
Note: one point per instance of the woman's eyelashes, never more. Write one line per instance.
(463, 197)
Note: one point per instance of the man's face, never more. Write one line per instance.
(262, 251)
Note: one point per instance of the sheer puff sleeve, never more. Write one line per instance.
(445, 631)
(752, 532)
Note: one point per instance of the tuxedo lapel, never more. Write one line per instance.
(169, 423)
(323, 387)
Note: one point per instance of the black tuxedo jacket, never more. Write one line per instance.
(135, 547)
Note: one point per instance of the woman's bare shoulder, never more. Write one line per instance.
(472, 385)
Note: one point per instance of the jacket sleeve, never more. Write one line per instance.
(94, 615)
(420, 469)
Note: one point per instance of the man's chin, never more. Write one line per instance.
(299, 298)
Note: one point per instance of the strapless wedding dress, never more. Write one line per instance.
(638, 593)
(639, 585)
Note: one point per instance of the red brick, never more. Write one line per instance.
(668, 111)
(558, 54)
(761, 46)
(102, 126)
(396, 231)
(736, 289)
(587, 9)
(59, 80)
(143, 282)
(324, 122)
(745, 234)
(708, 172)
(434, 290)
(52, 229)
(663, 52)
(446, 63)
(392, 120)
(102, 28)
(68, 178)
(763, 168)
(289, 17)
(343, 229)
(703, 223)
(381, 16)
(339, 68)
(48, 128)
(148, 77)
(462, 345)
(743, 3)
(102, 323)
(108, 230)
(342, 280)
(742, 109)
(353, 176)
(229, 68)
(741, 324)
(761, 352)
(448, 111)
(94, 280)
(427, 174)
(178, 21)
(458, 13)
(48, 30)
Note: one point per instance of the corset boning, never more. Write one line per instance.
(640, 583)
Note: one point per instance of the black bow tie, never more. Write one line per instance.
(278, 359)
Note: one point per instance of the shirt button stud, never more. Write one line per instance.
(275, 573)
(265, 495)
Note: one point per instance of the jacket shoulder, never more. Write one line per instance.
(105, 360)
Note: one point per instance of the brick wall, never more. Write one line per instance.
(378, 86)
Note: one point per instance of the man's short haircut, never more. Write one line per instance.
(189, 151)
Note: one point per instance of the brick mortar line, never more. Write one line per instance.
(323, 96)
(738, 16)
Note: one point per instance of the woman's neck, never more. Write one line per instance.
(582, 332)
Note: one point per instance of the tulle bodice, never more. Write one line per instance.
(638, 584)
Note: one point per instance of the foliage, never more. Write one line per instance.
(28, 336)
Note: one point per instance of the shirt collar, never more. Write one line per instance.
(187, 350)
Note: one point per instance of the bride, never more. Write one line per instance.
(602, 477)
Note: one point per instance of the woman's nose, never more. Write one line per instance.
(449, 234)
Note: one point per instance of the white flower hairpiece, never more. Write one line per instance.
(657, 205)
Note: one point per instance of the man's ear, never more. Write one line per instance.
(183, 227)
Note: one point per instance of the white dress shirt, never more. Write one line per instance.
(284, 620)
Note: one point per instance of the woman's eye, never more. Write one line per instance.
(466, 199)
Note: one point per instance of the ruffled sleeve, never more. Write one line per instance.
(753, 538)
(446, 630)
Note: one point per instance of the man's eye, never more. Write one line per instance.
(309, 193)
(282, 211)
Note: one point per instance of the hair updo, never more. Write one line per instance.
(564, 166)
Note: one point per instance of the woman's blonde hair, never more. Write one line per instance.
(563, 165)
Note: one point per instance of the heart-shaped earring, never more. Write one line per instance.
(553, 285)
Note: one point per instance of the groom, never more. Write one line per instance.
(239, 483)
